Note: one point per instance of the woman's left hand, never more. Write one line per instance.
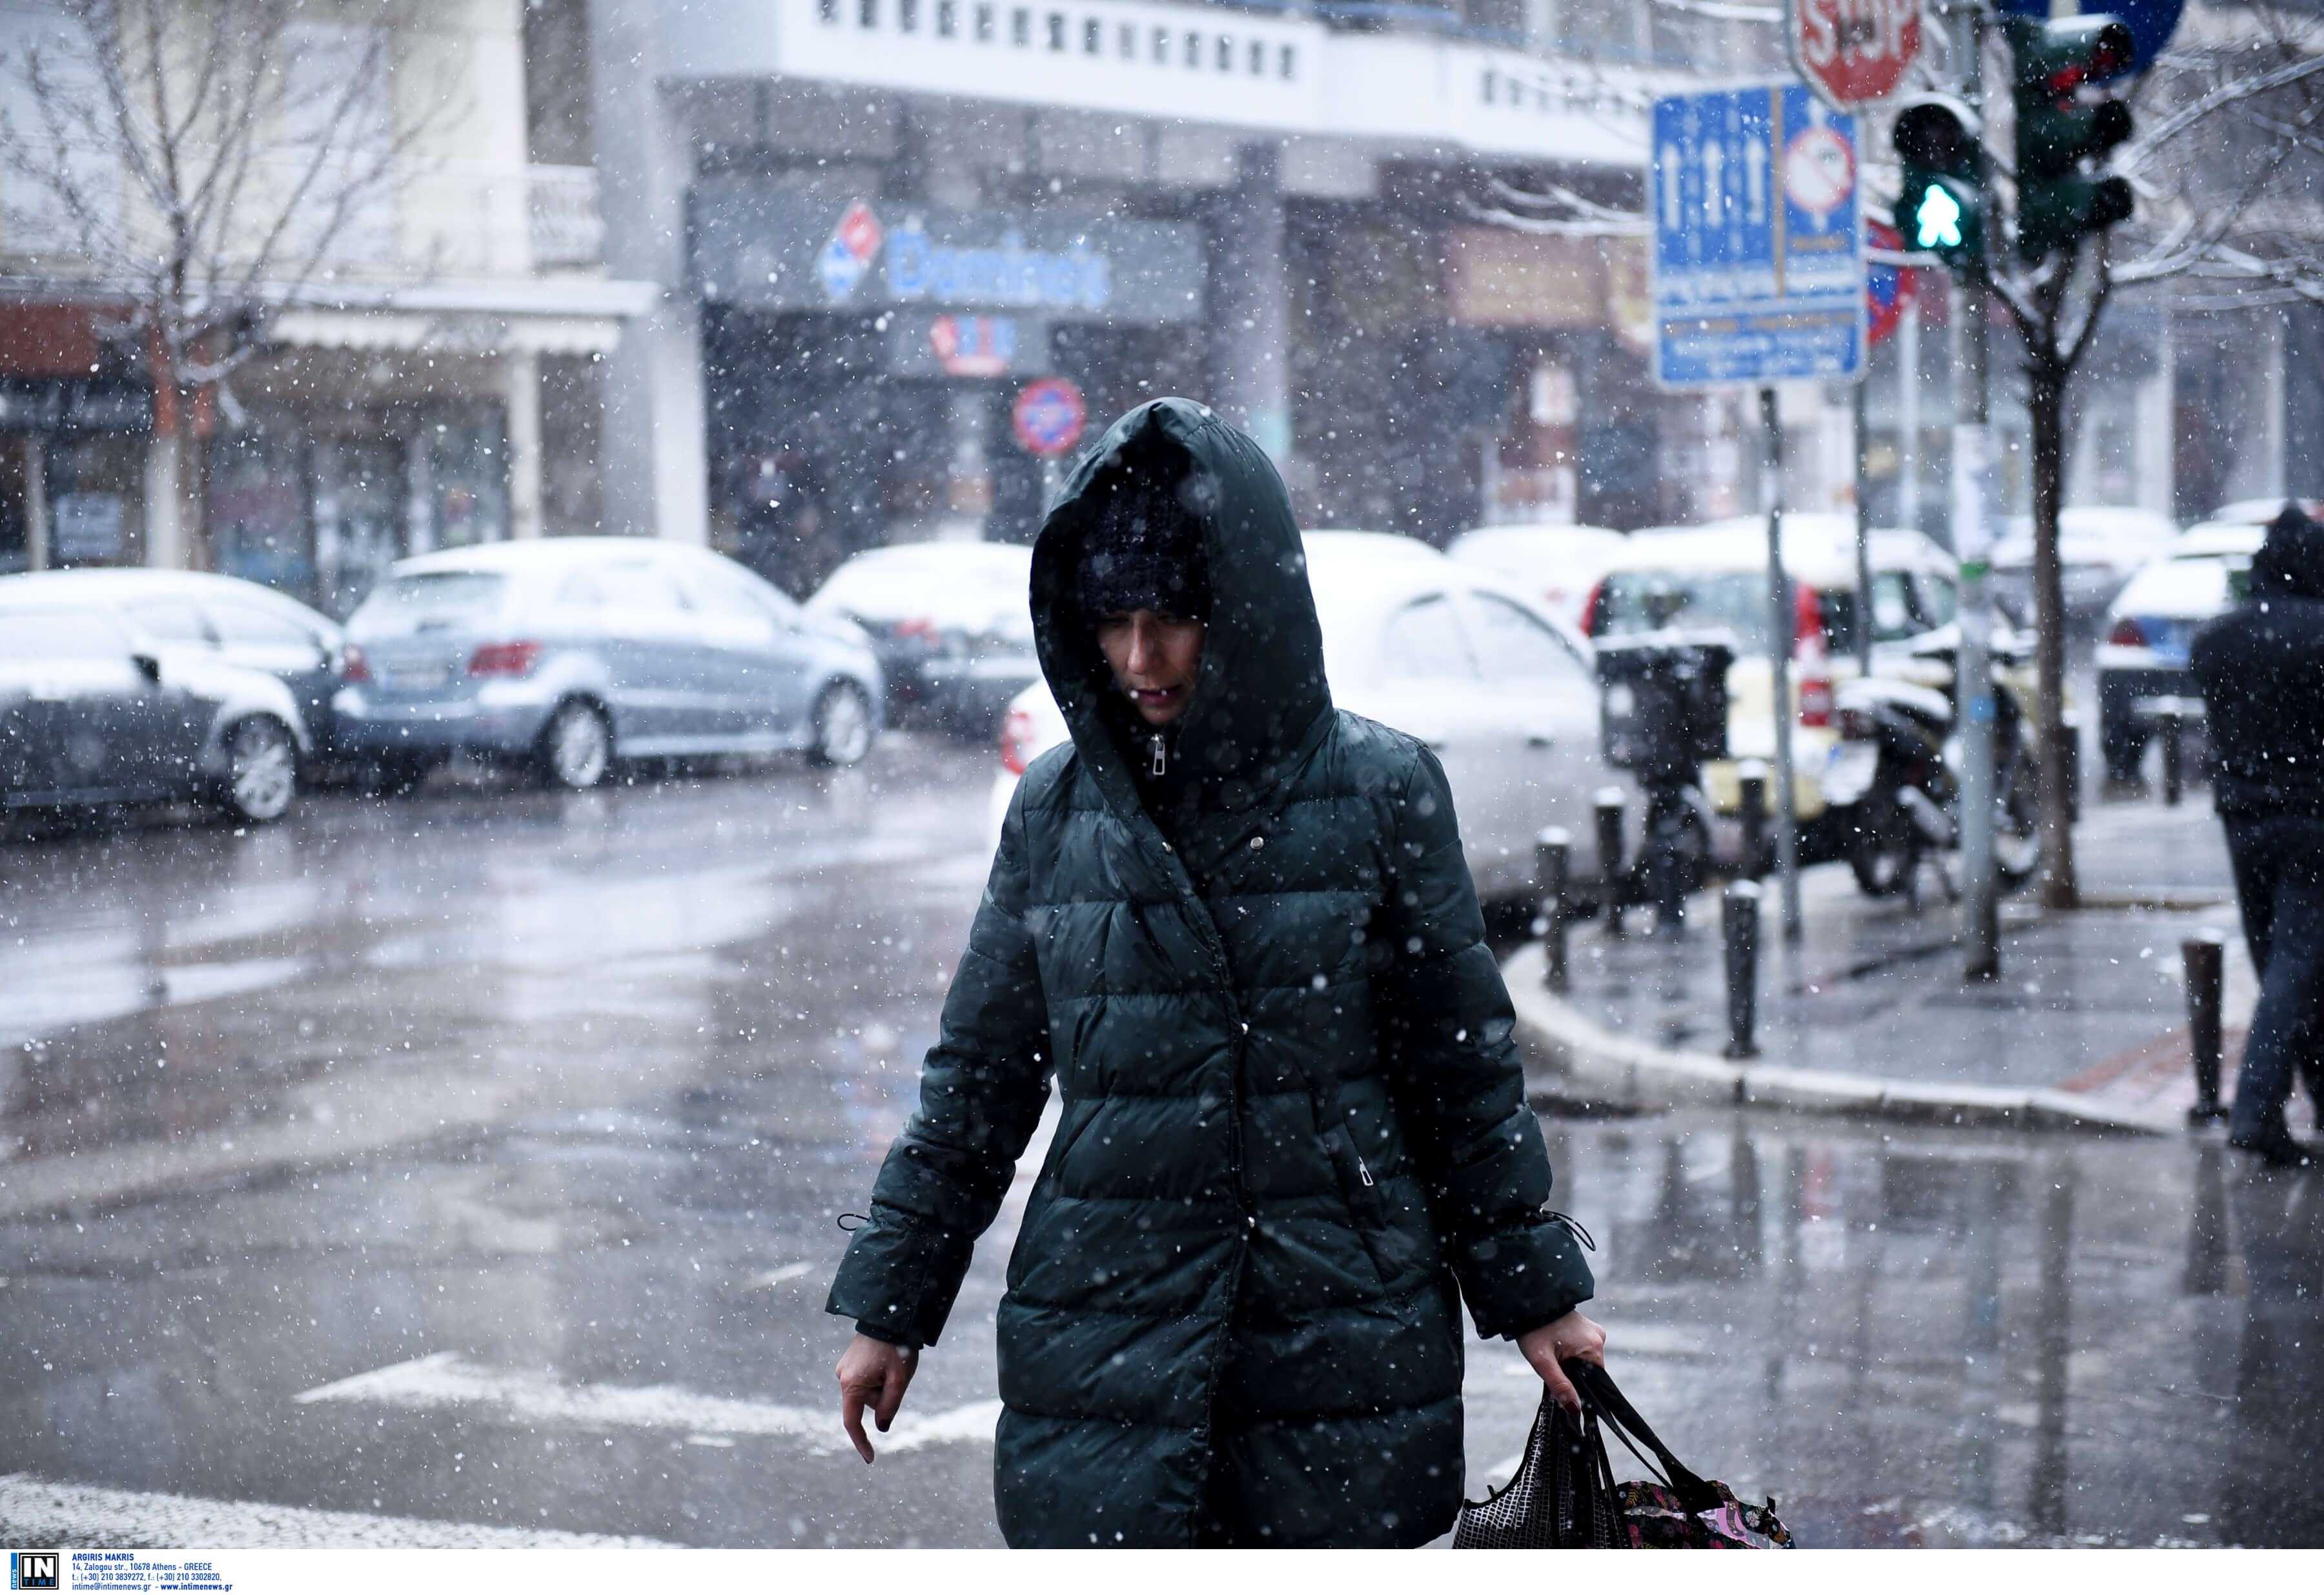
(1570, 1336)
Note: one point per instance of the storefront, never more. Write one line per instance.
(75, 419)
(861, 358)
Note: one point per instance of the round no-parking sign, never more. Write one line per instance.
(1049, 416)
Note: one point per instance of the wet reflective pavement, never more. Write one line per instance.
(667, 1032)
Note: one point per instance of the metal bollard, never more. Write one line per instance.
(1753, 775)
(2174, 756)
(1552, 850)
(2206, 956)
(1738, 918)
(1609, 809)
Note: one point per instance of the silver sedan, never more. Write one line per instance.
(569, 653)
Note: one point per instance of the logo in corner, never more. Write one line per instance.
(848, 253)
(34, 1570)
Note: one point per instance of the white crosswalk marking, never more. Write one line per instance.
(39, 1512)
(444, 1380)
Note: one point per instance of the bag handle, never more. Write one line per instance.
(1599, 1390)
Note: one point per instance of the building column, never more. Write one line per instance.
(1249, 305)
(520, 398)
(654, 460)
(36, 502)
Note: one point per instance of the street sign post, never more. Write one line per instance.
(1759, 279)
(1047, 417)
(1852, 52)
(1758, 258)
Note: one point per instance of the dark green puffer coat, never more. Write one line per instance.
(1293, 1119)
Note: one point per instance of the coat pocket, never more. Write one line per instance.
(1384, 1227)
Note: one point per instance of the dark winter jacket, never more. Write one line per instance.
(2260, 668)
(1292, 1123)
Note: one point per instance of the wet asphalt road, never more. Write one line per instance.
(469, 1164)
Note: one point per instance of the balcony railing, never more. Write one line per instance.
(562, 206)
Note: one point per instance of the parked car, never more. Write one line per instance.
(240, 622)
(2099, 547)
(1712, 581)
(97, 707)
(570, 653)
(950, 622)
(2141, 652)
(1449, 652)
(1554, 565)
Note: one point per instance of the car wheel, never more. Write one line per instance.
(576, 748)
(262, 770)
(842, 725)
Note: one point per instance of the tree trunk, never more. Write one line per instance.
(2047, 401)
(192, 483)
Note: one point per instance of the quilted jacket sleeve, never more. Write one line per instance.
(1456, 1081)
(981, 1090)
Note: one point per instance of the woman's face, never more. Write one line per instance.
(1154, 658)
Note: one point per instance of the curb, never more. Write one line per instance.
(1569, 1054)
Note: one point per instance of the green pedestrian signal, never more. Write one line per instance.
(1937, 219)
(1941, 207)
(2052, 61)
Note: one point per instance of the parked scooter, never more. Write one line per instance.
(1897, 770)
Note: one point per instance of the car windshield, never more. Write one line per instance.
(425, 599)
(982, 591)
(1632, 603)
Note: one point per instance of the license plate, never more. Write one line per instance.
(420, 678)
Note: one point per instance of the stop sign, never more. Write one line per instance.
(1853, 52)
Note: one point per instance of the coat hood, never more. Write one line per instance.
(1261, 693)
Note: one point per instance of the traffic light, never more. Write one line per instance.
(1941, 207)
(2051, 60)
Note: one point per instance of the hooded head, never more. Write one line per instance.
(1176, 506)
(2291, 563)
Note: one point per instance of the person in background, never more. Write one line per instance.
(1236, 926)
(2261, 666)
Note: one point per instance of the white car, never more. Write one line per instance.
(2141, 652)
(2100, 548)
(1714, 580)
(949, 621)
(1445, 650)
(1554, 565)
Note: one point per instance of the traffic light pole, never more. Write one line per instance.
(1973, 514)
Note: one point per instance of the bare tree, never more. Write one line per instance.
(2229, 173)
(203, 163)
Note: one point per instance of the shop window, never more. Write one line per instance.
(907, 16)
(1057, 21)
(1020, 27)
(468, 485)
(1194, 50)
(1126, 43)
(1161, 47)
(258, 510)
(947, 18)
(1093, 37)
(984, 24)
(867, 13)
(93, 486)
(1258, 59)
(357, 492)
(1226, 53)
(1283, 58)
(828, 10)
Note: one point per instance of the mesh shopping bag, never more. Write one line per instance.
(1560, 1498)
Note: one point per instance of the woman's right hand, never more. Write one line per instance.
(873, 1374)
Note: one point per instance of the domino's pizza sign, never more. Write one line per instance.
(854, 245)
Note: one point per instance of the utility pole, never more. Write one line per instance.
(1780, 628)
(1863, 524)
(1973, 516)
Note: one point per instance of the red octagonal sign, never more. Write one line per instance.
(1853, 52)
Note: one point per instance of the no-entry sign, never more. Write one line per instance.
(1049, 416)
(1853, 52)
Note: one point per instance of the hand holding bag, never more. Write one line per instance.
(1565, 1495)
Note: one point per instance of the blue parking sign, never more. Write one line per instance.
(1758, 242)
